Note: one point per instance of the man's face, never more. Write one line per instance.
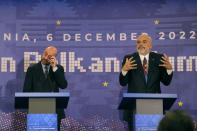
(144, 45)
(46, 56)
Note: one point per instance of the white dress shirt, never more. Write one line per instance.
(147, 58)
(43, 68)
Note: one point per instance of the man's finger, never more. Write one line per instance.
(130, 58)
(52, 62)
(132, 61)
(164, 58)
(165, 55)
(163, 65)
(132, 65)
(127, 60)
(163, 61)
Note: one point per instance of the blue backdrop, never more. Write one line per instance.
(92, 37)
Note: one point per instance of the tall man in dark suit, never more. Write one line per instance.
(143, 71)
(46, 76)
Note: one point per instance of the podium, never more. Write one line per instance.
(148, 109)
(41, 108)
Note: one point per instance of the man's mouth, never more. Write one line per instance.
(141, 47)
(45, 61)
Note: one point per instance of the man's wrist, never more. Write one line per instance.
(169, 72)
(124, 72)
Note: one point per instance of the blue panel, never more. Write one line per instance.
(149, 95)
(147, 122)
(42, 122)
(41, 94)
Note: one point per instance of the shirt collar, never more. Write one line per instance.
(142, 57)
(43, 66)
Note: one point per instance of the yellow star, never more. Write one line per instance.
(105, 84)
(156, 22)
(180, 103)
(58, 22)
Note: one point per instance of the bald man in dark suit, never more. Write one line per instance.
(46, 76)
(143, 71)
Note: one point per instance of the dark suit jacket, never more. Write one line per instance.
(35, 81)
(135, 78)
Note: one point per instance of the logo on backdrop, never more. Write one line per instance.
(71, 62)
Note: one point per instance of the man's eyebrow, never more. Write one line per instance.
(46, 53)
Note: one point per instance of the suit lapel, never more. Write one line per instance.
(40, 71)
(50, 71)
(150, 66)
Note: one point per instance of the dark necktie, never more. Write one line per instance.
(46, 70)
(145, 68)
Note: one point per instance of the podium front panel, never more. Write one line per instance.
(149, 106)
(42, 106)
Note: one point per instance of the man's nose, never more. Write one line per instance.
(141, 44)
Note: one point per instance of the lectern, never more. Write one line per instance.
(147, 108)
(41, 108)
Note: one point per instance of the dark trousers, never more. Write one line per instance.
(128, 117)
(60, 116)
(130, 125)
(58, 123)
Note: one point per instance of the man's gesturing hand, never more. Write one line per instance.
(53, 61)
(166, 62)
(129, 64)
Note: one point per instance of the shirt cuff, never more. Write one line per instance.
(169, 72)
(55, 68)
(124, 73)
